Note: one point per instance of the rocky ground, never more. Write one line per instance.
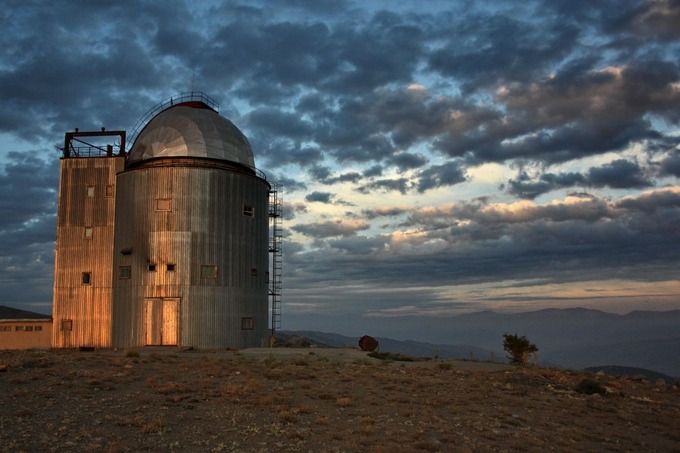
(318, 400)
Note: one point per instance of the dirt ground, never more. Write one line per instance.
(319, 400)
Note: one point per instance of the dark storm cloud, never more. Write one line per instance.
(28, 184)
(27, 230)
(320, 65)
(326, 198)
(483, 48)
(375, 170)
(320, 173)
(277, 153)
(484, 242)
(279, 123)
(659, 19)
(440, 175)
(385, 49)
(618, 174)
(671, 165)
(359, 245)
(558, 120)
(400, 185)
(652, 201)
(76, 72)
(407, 161)
(288, 184)
(321, 197)
(331, 228)
(384, 212)
(524, 187)
(291, 210)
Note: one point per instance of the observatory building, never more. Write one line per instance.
(168, 243)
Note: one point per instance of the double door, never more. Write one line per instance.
(162, 321)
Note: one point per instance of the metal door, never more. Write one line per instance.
(161, 322)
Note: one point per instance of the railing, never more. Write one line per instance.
(196, 96)
(89, 151)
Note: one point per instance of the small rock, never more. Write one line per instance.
(3, 368)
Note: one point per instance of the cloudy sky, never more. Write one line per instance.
(436, 157)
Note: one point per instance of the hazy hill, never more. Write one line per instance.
(632, 372)
(574, 338)
(410, 347)
(15, 313)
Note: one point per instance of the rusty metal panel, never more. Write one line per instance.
(85, 231)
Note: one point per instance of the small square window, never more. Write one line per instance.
(247, 324)
(124, 272)
(163, 204)
(109, 191)
(19, 328)
(253, 272)
(208, 271)
(170, 267)
(152, 267)
(66, 325)
(90, 191)
(88, 233)
(86, 278)
(248, 211)
(5, 328)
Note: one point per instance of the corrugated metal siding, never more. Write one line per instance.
(87, 306)
(206, 226)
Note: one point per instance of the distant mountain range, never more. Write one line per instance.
(571, 338)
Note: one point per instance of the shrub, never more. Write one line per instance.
(518, 348)
(590, 387)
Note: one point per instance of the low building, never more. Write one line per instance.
(21, 329)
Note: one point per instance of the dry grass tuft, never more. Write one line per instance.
(344, 401)
(153, 426)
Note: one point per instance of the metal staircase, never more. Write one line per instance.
(275, 242)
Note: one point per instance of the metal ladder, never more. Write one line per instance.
(275, 242)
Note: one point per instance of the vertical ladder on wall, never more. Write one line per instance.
(275, 242)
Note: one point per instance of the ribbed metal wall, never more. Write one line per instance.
(88, 307)
(205, 226)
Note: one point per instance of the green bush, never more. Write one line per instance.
(518, 348)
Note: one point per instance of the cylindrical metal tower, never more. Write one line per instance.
(191, 239)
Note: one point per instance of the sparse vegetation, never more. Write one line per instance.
(223, 402)
(393, 356)
(519, 348)
(590, 386)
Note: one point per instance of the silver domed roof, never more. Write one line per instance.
(186, 130)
